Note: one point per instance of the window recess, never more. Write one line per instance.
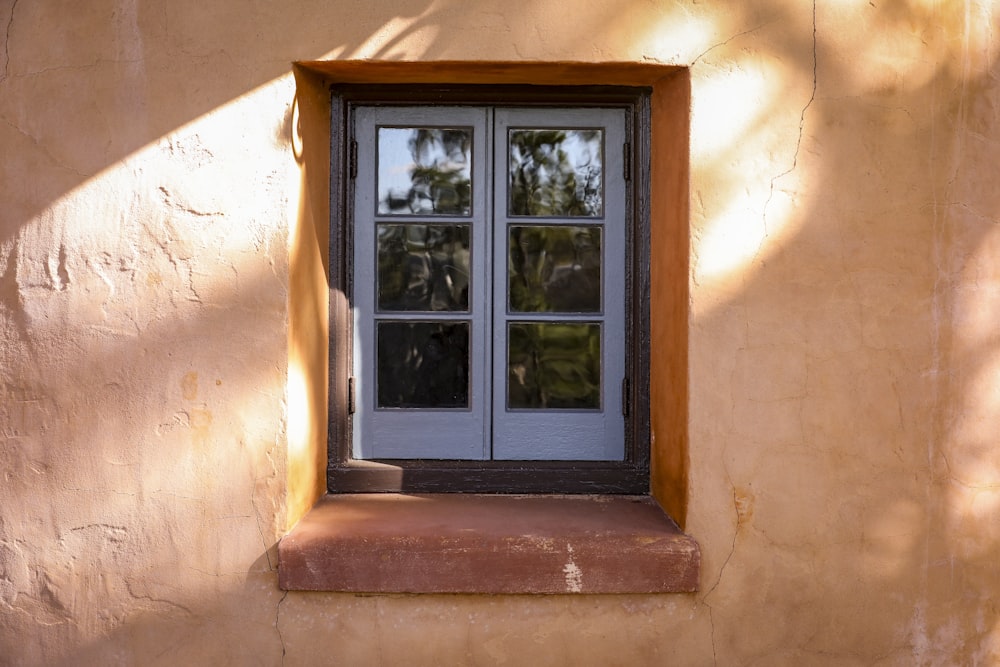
(494, 262)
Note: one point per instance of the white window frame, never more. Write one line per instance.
(488, 428)
(348, 472)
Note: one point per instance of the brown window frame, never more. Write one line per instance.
(630, 476)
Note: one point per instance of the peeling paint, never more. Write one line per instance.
(574, 577)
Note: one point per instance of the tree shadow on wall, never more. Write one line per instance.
(850, 364)
(828, 312)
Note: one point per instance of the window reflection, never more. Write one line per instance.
(554, 268)
(423, 364)
(424, 170)
(553, 365)
(423, 267)
(556, 172)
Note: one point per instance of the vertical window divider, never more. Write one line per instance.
(489, 145)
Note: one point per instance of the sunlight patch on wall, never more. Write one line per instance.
(727, 107)
(741, 213)
(200, 184)
(399, 38)
(729, 244)
(298, 412)
(677, 37)
(746, 231)
(166, 265)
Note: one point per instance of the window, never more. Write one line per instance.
(436, 542)
(493, 247)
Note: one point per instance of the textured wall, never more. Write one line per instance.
(844, 337)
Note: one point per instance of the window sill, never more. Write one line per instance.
(503, 544)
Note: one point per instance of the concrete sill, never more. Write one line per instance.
(458, 543)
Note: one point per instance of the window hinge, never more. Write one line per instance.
(353, 159)
(627, 160)
(625, 397)
(350, 396)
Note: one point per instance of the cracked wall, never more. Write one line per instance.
(844, 346)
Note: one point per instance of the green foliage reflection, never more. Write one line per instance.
(439, 171)
(555, 173)
(554, 268)
(423, 267)
(554, 365)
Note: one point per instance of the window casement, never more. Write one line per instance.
(485, 541)
(493, 246)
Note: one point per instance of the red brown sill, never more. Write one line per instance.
(502, 544)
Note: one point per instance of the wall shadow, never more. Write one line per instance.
(858, 319)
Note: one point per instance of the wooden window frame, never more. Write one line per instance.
(630, 476)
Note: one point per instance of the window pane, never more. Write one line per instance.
(554, 269)
(423, 364)
(423, 267)
(553, 365)
(424, 170)
(556, 172)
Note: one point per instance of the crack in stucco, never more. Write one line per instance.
(736, 530)
(59, 275)
(6, 43)
(171, 202)
(45, 151)
(726, 41)
(722, 570)
(163, 601)
(112, 532)
(277, 627)
(260, 531)
(11, 299)
(969, 210)
(77, 68)
(76, 489)
(258, 519)
(802, 122)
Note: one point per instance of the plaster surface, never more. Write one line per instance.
(158, 258)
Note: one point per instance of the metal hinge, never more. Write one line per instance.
(626, 398)
(353, 159)
(627, 160)
(351, 405)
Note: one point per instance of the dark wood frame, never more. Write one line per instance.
(630, 476)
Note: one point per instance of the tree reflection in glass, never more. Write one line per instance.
(423, 364)
(554, 268)
(553, 365)
(423, 267)
(424, 170)
(556, 173)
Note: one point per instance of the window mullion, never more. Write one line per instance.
(492, 269)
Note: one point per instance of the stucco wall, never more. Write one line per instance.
(844, 381)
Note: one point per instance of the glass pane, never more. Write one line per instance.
(554, 269)
(556, 173)
(553, 365)
(424, 170)
(423, 267)
(423, 364)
